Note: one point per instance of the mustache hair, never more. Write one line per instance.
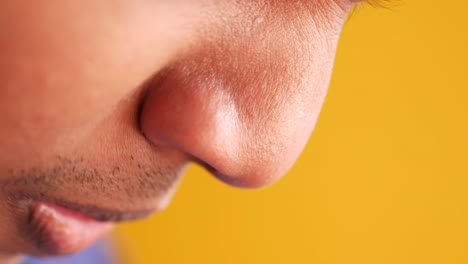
(125, 178)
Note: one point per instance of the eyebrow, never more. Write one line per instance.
(386, 4)
(381, 3)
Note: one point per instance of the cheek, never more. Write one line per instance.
(66, 66)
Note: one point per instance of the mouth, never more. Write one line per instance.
(98, 214)
(60, 228)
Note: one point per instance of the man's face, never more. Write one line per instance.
(104, 102)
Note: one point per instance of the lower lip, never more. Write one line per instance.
(62, 231)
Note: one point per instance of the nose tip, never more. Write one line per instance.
(204, 124)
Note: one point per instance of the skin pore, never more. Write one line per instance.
(103, 103)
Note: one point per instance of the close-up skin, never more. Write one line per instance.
(104, 103)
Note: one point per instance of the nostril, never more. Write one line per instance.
(144, 93)
(205, 165)
(243, 177)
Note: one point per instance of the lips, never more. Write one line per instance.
(59, 229)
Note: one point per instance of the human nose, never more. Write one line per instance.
(246, 126)
(203, 121)
(241, 104)
(244, 134)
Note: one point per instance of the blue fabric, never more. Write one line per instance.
(97, 254)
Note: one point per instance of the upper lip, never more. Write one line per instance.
(94, 212)
(102, 214)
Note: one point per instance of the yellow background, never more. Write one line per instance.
(384, 178)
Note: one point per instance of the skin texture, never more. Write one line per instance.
(104, 102)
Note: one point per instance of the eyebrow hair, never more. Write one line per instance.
(386, 4)
(382, 3)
